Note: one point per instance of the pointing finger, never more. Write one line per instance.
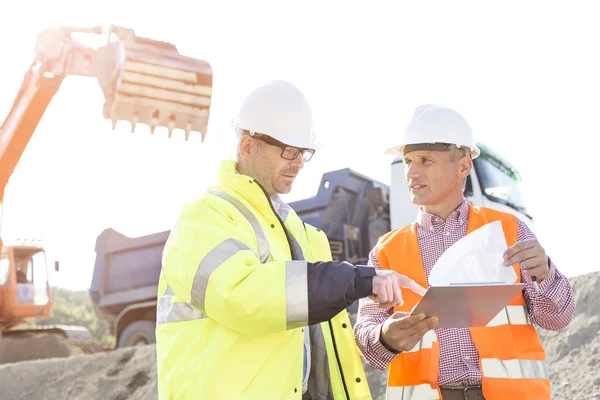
(408, 283)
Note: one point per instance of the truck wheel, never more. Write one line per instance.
(138, 333)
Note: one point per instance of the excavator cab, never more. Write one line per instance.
(24, 288)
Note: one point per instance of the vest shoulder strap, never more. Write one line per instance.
(479, 216)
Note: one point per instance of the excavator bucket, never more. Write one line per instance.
(147, 81)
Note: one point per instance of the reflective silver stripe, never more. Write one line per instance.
(209, 263)
(297, 253)
(296, 294)
(175, 312)
(416, 392)
(264, 252)
(514, 315)
(426, 342)
(514, 369)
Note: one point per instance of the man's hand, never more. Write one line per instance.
(402, 331)
(386, 288)
(531, 256)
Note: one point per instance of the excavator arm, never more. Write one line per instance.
(143, 81)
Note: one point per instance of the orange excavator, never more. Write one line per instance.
(144, 81)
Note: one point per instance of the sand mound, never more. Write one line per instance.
(119, 375)
(574, 353)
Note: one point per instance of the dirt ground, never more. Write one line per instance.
(42, 346)
(126, 374)
(573, 355)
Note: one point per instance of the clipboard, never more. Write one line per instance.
(466, 305)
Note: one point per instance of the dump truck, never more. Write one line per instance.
(352, 209)
(144, 81)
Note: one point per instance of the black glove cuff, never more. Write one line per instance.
(364, 281)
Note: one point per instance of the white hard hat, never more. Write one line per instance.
(278, 109)
(433, 126)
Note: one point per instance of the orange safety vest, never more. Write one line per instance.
(511, 355)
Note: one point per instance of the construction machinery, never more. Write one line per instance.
(144, 81)
(352, 209)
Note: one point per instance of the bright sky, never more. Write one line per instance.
(525, 75)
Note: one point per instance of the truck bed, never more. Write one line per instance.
(126, 269)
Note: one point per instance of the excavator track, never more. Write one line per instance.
(75, 333)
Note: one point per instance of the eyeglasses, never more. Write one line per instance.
(287, 152)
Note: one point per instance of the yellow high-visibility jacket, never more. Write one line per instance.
(236, 290)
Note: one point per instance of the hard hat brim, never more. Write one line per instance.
(394, 151)
(303, 144)
(311, 144)
(397, 151)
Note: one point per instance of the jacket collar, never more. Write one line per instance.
(245, 187)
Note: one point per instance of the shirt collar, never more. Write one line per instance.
(430, 221)
(280, 206)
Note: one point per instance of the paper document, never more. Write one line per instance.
(477, 258)
(469, 284)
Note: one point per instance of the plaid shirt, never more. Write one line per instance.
(552, 309)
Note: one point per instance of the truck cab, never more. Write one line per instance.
(493, 182)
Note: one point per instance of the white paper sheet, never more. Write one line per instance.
(476, 258)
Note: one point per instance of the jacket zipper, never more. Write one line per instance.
(277, 216)
(337, 357)
(335, 349)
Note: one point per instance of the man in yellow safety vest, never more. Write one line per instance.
(250, 304)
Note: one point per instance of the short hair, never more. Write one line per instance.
(238, 134)
(456, 153)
